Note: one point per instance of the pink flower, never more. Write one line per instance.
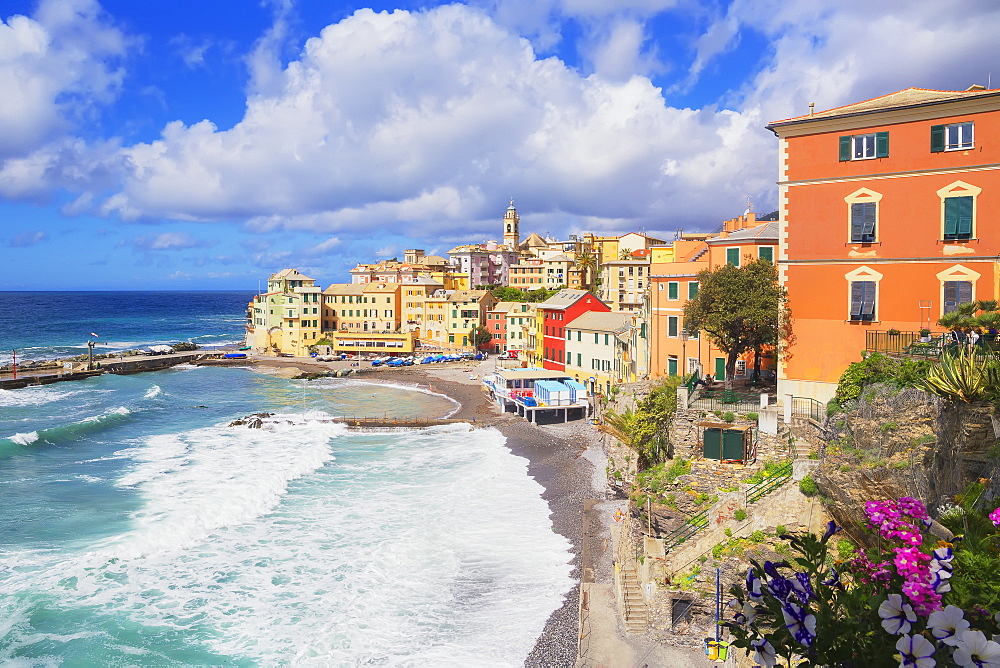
(995, 517)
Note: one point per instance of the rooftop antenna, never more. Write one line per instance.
(749, 206)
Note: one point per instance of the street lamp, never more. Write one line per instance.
(684, 339)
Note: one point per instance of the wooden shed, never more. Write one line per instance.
(727, 442)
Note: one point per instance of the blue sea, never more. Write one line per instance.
(137, 528)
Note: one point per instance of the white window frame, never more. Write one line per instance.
(954, 136)
(863, 144)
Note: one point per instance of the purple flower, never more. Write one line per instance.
(915, 651)
(753, 586)
(947, 625)
(780, 588)
(832, 528)
(897, 617)
(973, 649)
(995, 517)
(802, 587)
(764, 653)
(801, 625)
(833, 579)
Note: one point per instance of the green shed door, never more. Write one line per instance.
(732, 445)
(712, 439)
(720, 368)
(672, 367)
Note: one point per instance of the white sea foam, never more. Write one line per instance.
(430, 547)
(154, 391)
(33, 396)
(24, 439)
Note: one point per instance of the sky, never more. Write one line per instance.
(151, 146)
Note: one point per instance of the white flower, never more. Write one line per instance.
(946, 625)
(975, 650)
(764, 653)
(896, 615)
(915, 651)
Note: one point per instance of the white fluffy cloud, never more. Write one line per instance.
(53, 68)
(435, 117)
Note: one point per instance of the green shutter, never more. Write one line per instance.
(881, 144)
(958, 218)
(964, 217)
(692, 289)
(937, 139)
(672, 325)
(672, 290)
(766, 253)
(733, 256)
(845, 148)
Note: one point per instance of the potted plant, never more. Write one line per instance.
(894, 332)
(925, 335)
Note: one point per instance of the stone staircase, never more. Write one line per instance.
(636, 610)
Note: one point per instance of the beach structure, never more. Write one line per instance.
(673, 349)
(887, 220)
(530, 391)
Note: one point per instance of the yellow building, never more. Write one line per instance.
(287, 318)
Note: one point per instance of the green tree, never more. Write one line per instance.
(586, 262)
(481, 336)
(506, 294)
(540, 294)
(741, 309)
(625, 254)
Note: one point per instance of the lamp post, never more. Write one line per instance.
(684, 340)
(90, 355)
(14, 353)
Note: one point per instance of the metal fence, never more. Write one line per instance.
(893, 342)
(725, 400)
(691, 526)
(769, 484)
(810, 408)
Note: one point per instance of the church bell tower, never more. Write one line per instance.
(511, 234)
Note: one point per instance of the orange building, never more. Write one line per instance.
(672, 349)
(887, 210)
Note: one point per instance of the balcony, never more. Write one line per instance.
(895, 342)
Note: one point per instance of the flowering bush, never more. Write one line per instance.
(890, 609)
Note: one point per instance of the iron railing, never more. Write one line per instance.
(769, 484)
(893, 342)
(726, 400)
(690, 527)
(810, 408)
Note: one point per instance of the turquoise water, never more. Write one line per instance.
(138, 528)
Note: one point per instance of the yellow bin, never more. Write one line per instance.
(713, 650)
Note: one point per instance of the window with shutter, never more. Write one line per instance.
(672, 290)
(958, 218)
(766, 253)
(672, 325)
(863, 222)
(863, 300)
(733, 256)
(692, 289)
(955, 293)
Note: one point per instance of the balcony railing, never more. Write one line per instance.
(893, 342)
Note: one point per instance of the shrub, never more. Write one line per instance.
(729, 416)
(758, 536)
(808, 486)
(717, 550)
(728, 532)
(740, 515)
(780, 530)
(878, 368)
(752, 417)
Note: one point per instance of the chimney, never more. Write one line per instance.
(812, 108)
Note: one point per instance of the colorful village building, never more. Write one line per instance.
(672, 348)
(287, 317)
(887, 221)
(555, 314)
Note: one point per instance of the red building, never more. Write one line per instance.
(555, 314)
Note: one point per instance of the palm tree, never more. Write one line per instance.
(625, 254)
(586, 262)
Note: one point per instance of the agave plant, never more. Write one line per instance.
(963, 376)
